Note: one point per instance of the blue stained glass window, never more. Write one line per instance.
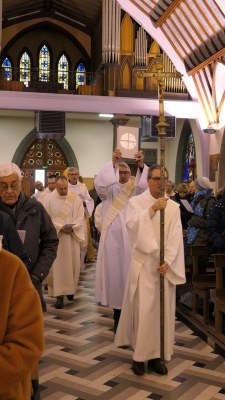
(189, 172)
(63, 71)
(80, 75)
(8, 69)
(25, 69)
(44, 64)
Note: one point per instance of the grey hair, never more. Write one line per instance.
(70, 169)
(156, 166)
(123, 164)
(7, 169)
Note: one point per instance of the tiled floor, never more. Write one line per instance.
(81, 361)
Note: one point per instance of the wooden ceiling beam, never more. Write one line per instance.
(167, 13)
(206, 62)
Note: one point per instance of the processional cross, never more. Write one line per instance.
(162, 125)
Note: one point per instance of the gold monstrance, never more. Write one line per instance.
(161, 126)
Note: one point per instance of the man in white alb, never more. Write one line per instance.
(66, 212)
(115, 186)
(139, 325)
(82, 191)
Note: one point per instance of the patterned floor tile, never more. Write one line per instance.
(81, 362)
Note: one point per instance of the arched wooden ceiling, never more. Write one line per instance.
(192, 33)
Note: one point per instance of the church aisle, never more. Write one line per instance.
(80, 360)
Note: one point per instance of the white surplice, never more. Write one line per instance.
(112, 267)
(82, 191)
(139, 324)
(65, 271)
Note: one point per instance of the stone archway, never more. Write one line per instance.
(29, 145)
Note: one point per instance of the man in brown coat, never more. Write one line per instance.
(21, 328)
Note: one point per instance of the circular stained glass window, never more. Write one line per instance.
(31, 161)
(58, 154)
(128, 141)
(39, 154)
(50, 146)
(50, 162)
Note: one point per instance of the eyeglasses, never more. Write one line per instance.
(124, 172)
(13, 186)
(156, 178)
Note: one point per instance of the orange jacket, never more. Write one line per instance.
(21, 329)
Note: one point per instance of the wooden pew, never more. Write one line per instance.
(202, 282)
(219, 261)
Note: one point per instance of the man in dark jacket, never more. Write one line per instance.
(28, 214)
(10, 239)
(41, 239)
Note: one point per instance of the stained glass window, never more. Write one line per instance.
(63, 71)
(44, 64)
(189, 172)
(25, 68)
(8, 68)
(80, 75)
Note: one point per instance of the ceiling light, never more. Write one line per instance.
(70, 19)
(106, 115)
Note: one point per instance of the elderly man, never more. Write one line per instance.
(21, 328)
(115, 186)
(81, 190)
(11, 240)
(38, 185)
(139, 324)
(41, 239)
(66, 211)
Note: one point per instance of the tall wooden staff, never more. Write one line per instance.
(160, 76)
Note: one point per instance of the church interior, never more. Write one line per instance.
(73, 74)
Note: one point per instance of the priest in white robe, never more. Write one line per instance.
(115, 186)
(139, 325)
(67, 214)
(81, 190)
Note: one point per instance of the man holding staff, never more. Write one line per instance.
(139, 324)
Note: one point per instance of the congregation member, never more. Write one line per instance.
(216, 227)
(139, 325)
(78, 187)
(169, 186)
(182, 194)
(11, 240)
(191, 190)
(115, 186)
(41, 239)
(21, 328)
(29, 215)
(202, 203)
(66, 211)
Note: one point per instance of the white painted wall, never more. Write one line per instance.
(92, 141)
